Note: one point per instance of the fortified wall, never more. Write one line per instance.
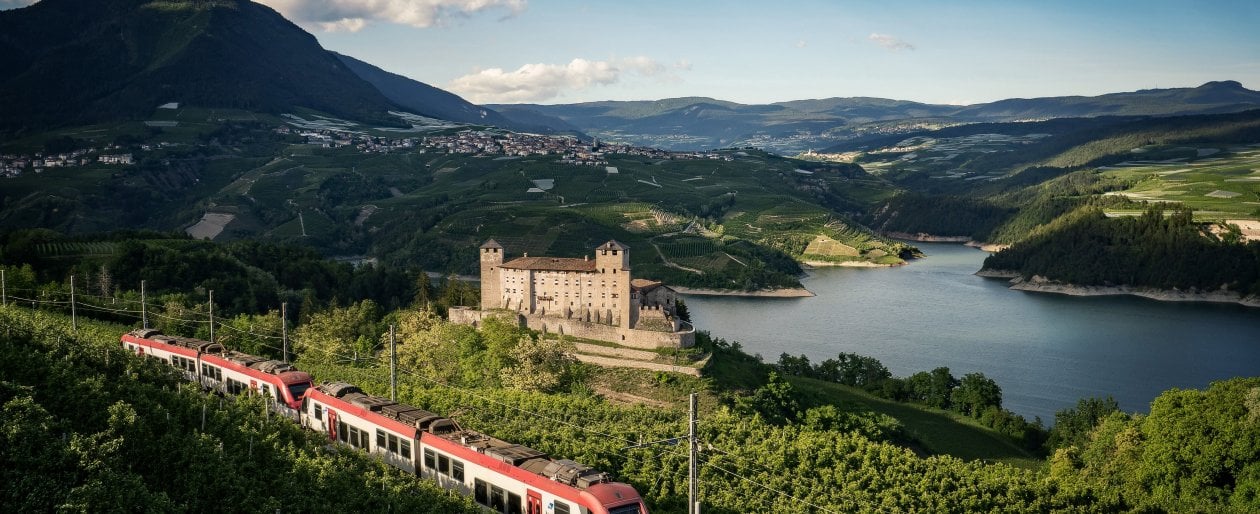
(586, 298)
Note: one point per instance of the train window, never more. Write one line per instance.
(457, 470)
(365, 440)
(498, 498)
(341, 431)
(514, 504)
(406, 450)
(626, 509)
(393, 443)
(297, 390)
(319, 412)
(380, 439)
(562, 508)
(481, 491)
(266, 390)
(234, 387)
(430, 461)
(444, 464)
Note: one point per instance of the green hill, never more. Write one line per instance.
(65, 62)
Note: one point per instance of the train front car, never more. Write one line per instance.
(614, 498)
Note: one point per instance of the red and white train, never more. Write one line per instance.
(501, 476)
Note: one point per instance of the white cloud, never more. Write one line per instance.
(14, 4)
(682, 65)
(353, 15)
(890, 42)
(802, 44)
(539, 82)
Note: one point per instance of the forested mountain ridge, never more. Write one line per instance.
(794, 126)
(68, 62)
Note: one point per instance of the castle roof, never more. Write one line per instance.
(492, 244)
(550, 264)
(644, 284)
(612, 244)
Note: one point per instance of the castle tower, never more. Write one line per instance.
(612, 262)
(491, 275)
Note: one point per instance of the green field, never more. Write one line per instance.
(1218, 183)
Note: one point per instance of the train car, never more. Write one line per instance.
(501, 476)
(226, 371)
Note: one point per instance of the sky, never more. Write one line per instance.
(955, 52)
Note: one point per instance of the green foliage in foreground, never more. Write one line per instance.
(87, 428)
(1197, 451)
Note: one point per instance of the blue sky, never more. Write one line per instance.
(564, 51)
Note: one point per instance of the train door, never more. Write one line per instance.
(533, 502)
(332, 425)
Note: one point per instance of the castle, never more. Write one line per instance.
(593, 299)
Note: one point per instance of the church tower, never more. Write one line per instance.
(491, 275)
(612, 262)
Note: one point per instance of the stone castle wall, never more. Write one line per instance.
(633, 338)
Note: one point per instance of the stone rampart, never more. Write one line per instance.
(626, 363)
(644, 339)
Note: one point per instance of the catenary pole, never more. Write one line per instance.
(144, 306)
(74, 320)
(693, 485)
(284, 330)
(393, 365)
(211, 315)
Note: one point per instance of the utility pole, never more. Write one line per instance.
(284, 330)
(693, 447)
(144, 307)
(693, 484)
(4, 289)
(393, 365)
(74, 320)
(211, 315)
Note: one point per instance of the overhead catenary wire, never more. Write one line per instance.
(346, 358)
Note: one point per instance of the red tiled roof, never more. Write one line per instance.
(644, 284)
(550, 264)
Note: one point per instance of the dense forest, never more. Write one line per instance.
(1157, 249)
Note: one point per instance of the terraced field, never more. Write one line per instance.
(1218, 183)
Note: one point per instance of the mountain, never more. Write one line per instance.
(81, 61)
(1212, 97)
(422, 98)
(789, 127)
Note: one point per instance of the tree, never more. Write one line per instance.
(257, 334)
(543, 364)
(933, 389)
(339, 335)
(976, 393)
(1072, 426)
(424, 291)
(435, 348)
(680, 309)
(775, 400)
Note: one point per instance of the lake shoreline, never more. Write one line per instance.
(924, 237)
(782, 292)
(1039, 284)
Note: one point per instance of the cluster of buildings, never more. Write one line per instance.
(330, 138)
(570, 150)
(582, 297)
(14, 165)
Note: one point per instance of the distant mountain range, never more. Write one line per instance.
(68, 62)
(697, 122)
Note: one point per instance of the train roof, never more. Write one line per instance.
(269, 366)
(560, 470)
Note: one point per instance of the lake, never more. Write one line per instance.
(1046, 351)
